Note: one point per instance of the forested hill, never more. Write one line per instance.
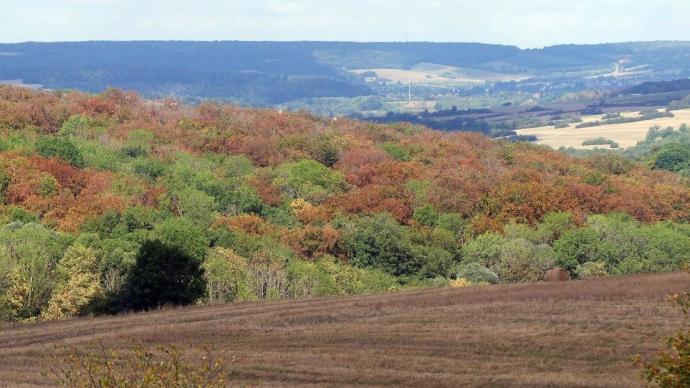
(264, 73)
(282, 205)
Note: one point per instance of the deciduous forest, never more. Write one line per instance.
(111, 202)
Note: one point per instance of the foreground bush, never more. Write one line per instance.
(672, 365)
(164, 366)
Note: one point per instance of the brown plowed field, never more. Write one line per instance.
(578, 333)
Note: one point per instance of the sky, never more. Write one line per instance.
(524, 23)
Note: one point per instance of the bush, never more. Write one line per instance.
(426, 215)
(600, 141)
(672, 157)
(397, 151)
(476, 273)
(60, 147)
(591, 269)
(484, 250)
(522, 261)
(671, 368)
(310, 180)
(452, 222)
(310, 279)
(149, 168)
(579, 246)
(18, 214)
(164, 366)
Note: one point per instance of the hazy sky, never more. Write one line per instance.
(526, 23)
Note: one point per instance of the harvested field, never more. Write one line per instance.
(578, 333)
(435, 74)
(626, 134)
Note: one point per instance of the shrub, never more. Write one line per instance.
(484, 250)
(426, 215)
(672, 365)
(522, 261)
(476, 273)
(452, 222)
(60, 147)
(397, 151)
(310, 180)
(138, 366)
(31, 253)
(592, 269)
(600, 141)
(134, 151)
(149, 168)
(194, 205)
(579, 246)
(244, 199)
(310, 279)
(18, 214)
(48, 186)
(672, 157)
(5, 181)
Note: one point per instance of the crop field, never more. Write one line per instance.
(626, 134)
(578, 333)
(434, 74)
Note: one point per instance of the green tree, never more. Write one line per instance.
(309, 179)
(426, 215)
(485, 250)
(672, 157)
(32, 253)
(227, 277)
(162, 275)
(185, 235)
(579, 246)
(5, 181)
(196, 206)
(378, 241)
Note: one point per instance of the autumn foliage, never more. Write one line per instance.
(303, 201)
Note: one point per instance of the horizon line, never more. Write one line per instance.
(341, 41)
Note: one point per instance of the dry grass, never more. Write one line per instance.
(627, 134)
(551, 334)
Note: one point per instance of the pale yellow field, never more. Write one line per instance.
(626, 135)
(434, 74)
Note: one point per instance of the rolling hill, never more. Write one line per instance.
(570, 334)
(269, 73)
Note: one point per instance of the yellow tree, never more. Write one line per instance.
(80, 285)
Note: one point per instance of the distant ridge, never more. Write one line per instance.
(269, 73)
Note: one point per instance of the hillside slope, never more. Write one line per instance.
(265, 73)
(550, 334)
(275, 205)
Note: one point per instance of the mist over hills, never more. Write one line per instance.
(270, 73)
